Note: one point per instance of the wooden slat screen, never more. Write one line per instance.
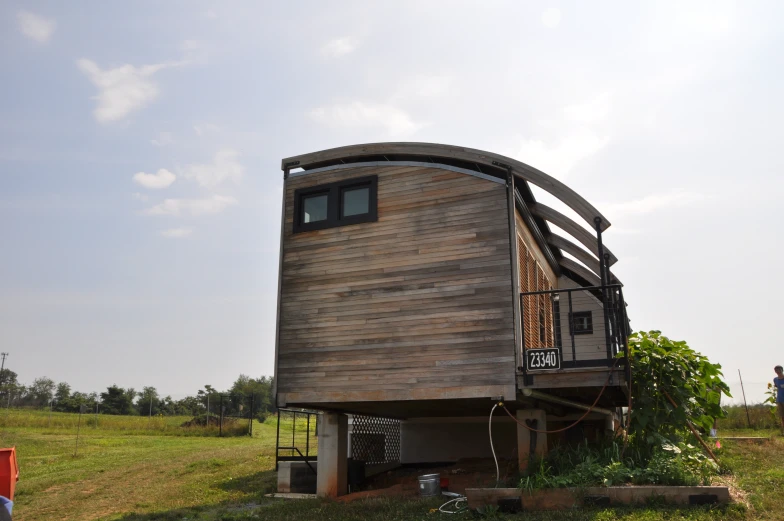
(533, 278)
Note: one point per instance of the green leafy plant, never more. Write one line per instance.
(664, 367)
(770, 399)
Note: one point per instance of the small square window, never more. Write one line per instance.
(314, 208)
(353, 201)
(356, 201)
(582, 323)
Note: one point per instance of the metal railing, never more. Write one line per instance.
(297, 437)
(587, 325)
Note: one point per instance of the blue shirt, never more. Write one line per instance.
(778, 383)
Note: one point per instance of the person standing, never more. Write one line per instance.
(778, 383)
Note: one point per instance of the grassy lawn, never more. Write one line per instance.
(138, 472)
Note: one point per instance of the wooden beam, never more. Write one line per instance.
(579, 269)
(525, 213)
(432, 150)
(571, 227)
(575, 251)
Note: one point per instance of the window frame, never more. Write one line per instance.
(572, 325)
(334, 193)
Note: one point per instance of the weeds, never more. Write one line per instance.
(603, 465)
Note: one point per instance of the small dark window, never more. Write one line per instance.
(314, 208)
(583, 323)
(336, 204)
(355, 201)
(542, 328)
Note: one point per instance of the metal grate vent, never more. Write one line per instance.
(375, 440)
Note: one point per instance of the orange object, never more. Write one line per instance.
(9, 472)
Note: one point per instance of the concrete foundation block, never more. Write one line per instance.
(332, 479)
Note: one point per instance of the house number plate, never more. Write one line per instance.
(549, 358)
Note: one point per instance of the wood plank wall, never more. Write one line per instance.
(415, 306)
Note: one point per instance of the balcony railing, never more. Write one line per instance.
(587, 325)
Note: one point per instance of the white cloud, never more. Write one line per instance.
(140, 197)
(224, 166)
(357, 114)
(652, 203)
(162, 179)
(551, 17)
(593, 111)
(122, 89)
(194, 207)
(176, 233)
(35, 27)
(205, 128)
(558, 160)
(163, 139)
(339, 47)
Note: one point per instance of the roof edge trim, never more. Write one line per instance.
(433, 150)
(398, 163)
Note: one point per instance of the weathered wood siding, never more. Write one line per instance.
(417, 305)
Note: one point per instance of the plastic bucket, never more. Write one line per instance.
(9, 472)
(429, 485)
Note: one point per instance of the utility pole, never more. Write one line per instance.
(2, 366)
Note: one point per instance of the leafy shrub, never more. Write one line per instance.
(607, 465)
(664, 367)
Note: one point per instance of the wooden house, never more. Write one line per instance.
(424, 283)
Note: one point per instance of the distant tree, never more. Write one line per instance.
(8, 377)
(41, 392)
(62, 393)
(148, 401)
(247, 391)
(117, 400)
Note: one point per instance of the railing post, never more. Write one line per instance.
(571, 327)
(277, 443)
(523, 361)
(307, 439)
(603, 276)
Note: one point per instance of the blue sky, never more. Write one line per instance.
(140, 147)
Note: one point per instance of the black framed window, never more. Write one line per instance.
(325, 206)
(582, 323)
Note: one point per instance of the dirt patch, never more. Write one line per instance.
(404, 481)
(737, 494)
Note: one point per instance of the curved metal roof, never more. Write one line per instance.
(488, 163)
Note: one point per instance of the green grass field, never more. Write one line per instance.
(134, 469)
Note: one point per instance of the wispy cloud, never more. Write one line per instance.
(176, 233)
(224, 166)
(653, 203)
(163, 139)
(140, 197)
(121, 90)
(559, 159)
(592, 111)
(35, 27)
(551, 17)
(193, 207)
(360, 115)
(339, 47)
(162, 179)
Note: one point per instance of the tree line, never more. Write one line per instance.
(246, 396)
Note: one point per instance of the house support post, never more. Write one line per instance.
(605, 293)
(530, 444)
(332, 477)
